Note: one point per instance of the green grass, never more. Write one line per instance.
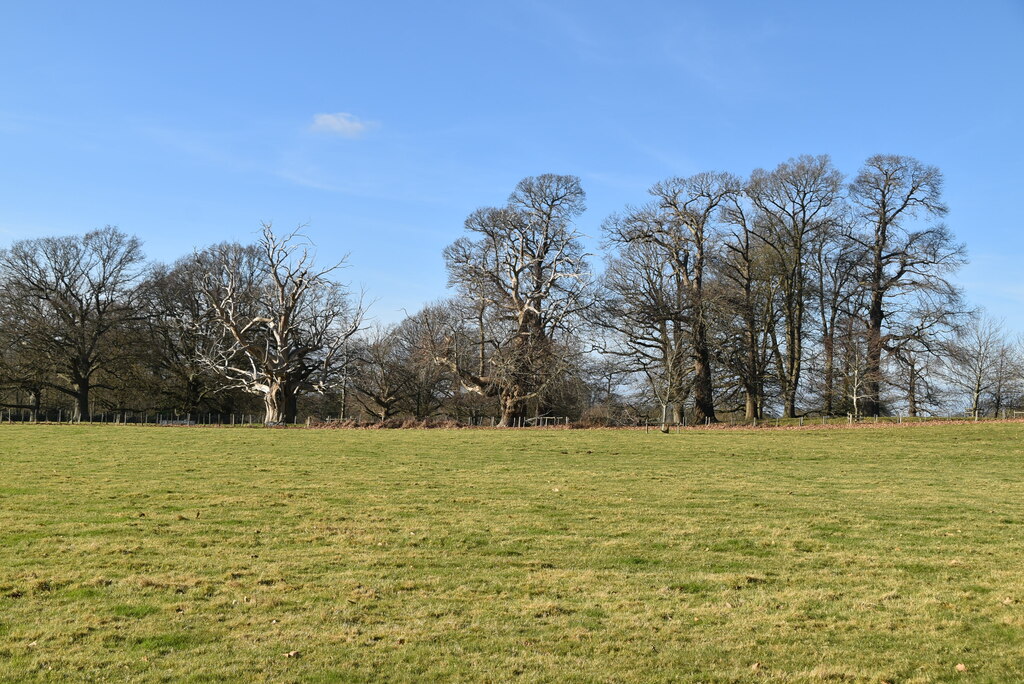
(888, 554)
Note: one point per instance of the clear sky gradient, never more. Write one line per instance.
(382, 125)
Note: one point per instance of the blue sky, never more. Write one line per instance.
(382, 126)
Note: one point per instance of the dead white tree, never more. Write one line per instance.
(283, 323)
(527, 272)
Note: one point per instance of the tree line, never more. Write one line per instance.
(795, 291)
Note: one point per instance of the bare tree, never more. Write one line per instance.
(526, 272)
(1008, 370)
(460, 333)
(914, 375)
(429, 385)
(23, 378)
(837, 291)
(178, 324)
(382, 375)
(395, 372)
(282, 322)
(681, 224)
(797, 205)
(909, 294)
(644, 313)
(980, 363)
(605, 377)
(746, 308)
(67, 298)
(850, 353)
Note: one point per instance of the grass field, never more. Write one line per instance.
(144, 553)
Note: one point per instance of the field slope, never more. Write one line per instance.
(889, 554)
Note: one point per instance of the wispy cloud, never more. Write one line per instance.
(344, 124)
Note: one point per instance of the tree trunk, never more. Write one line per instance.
(81, 411)
(290, 400)
(513, 411)
(193, 393)
(36, 398)
(344, 398)
(751, 401)
(789, 411)
(703, 389)
(794, 340)
(912, 409)
(830, 373)
(751, 387)
(272, 403)
(873, 369)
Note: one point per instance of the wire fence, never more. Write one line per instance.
(170, 419)
(58, 416)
